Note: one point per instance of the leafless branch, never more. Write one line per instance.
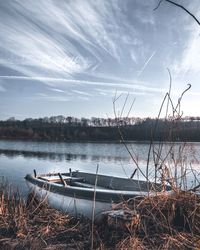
(179, 100)
(158, 5)
(170, 86)
(123, 141)
(180, 6)
(130, 108)
(124, 105)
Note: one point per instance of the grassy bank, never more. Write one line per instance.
(160, 222)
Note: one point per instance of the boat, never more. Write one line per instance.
(86, 194)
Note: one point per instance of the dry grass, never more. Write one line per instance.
(165, 222)
(34, 225)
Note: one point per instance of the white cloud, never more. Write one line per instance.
(110, 92)
(2, 88)
(62, 81)
(42, 94)
(30, 39)
(39, 34)
(45, 97)
(133, 56)
(146, 63)
(69, 37)
(81, 92)
(106, 43)
(57, 90)
(191, 55)
(189, 62)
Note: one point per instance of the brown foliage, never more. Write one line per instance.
(163, 222)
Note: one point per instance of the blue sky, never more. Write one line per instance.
(69, 57)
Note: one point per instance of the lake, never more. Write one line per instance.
(17, 158)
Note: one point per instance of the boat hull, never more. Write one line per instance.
(80, 193)
(71, 205)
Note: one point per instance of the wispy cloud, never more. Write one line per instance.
(67, 38)
(45, 97)
(60, 98)
(42, 33)
(81, 92)
(32, 25)
(57, 90)
(59, 81)
(2, 88)
(190, 60)
(42, 95)
(76, 50)
(110, 92)
(146, 64)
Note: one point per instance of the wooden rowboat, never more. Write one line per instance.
(81, 193)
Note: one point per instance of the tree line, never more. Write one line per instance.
(60, 128)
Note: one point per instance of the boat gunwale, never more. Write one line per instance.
(102, 195)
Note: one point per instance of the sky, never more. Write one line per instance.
(73, 57)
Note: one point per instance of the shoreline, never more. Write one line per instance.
(97, 141)
(163, 222)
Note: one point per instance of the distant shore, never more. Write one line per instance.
(140, 130)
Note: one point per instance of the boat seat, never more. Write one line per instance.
(55, 179)
(81, 184)
(86, 185)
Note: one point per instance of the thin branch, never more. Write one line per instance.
(122, 111)
(182, 7)
(170, 86)
(158, 5)
(93, 209)
(154, 130)
(195, 188)
(130, 108)
(123, 141)
(179, 100)
(116, 97)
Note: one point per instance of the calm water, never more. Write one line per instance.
(17, 158)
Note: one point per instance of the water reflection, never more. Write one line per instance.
(17, 158)
(60, 156)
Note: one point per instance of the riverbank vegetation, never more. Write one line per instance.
(160, 222)
(61, 128)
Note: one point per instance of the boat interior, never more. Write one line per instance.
(89, 180)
